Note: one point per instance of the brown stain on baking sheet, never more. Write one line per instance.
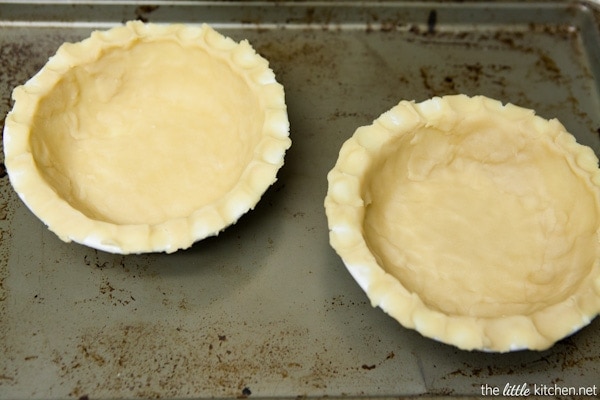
(142, 12)
(11, 65)
(151, 359)
(529, 67)
(155, 360)
(12, 73)
(569, 355)
(311, 55)
(454, 77)
(470, 76)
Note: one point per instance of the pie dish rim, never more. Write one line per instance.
(69, 223)
(345, 210)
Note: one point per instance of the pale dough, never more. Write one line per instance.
(146, 137)
(143, 135)
(474, 222)
(480, 229)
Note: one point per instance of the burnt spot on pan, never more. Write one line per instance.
(366, 367)
(570, 356)
(310, 56)
(8, 373)
(431, 21)
(18, 60)
(342, 302)
(389, 23)
(133, 360)
(142, 12)
(388, 26)
(246, 392)
(318, 17)
(548, 65)
(101, 260)
(468, 77)
(13, 57)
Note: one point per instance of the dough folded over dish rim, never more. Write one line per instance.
(59, 201)
(390, 274)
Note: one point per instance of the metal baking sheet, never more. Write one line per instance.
(267, 309)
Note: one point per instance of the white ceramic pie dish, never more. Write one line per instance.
(146, 137)
(473, 222)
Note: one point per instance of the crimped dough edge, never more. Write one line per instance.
(68, 223)
(345, 210)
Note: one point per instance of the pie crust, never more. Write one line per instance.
(473, 222)
(146, 137)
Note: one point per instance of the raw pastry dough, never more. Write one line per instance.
(475, 223)
(146, 137)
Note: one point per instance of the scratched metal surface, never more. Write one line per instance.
(267, 308)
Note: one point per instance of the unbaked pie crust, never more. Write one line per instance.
(146, 137)
(473, 222)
